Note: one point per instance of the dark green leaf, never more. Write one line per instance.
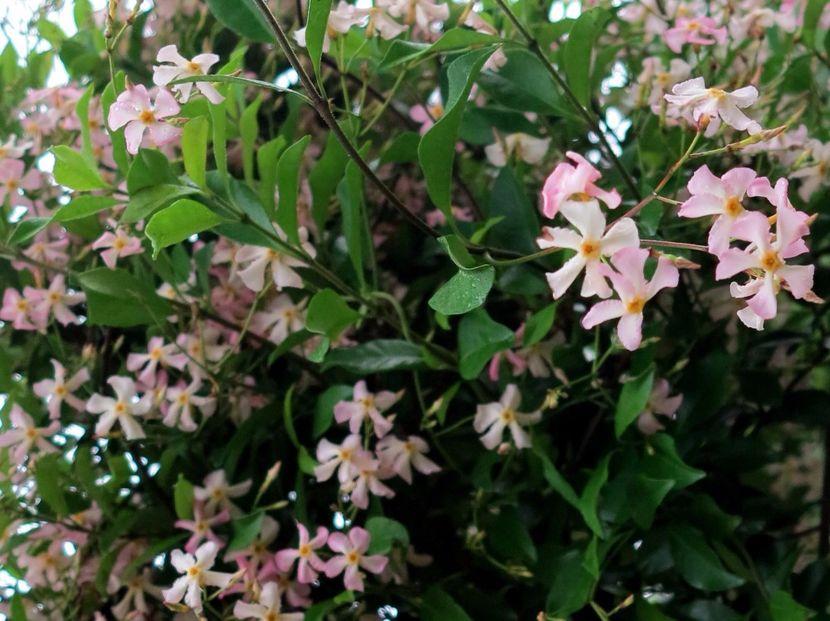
(579, 50)
(438, 606)
(479, 339)
(697, 562)
(288, 184)
(633, 399)
(376, 356)
(465, 291)
(384, 534)
(329, 314)
(242, 17)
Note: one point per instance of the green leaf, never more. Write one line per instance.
(697, 562)
(465, 291)
(27, 229)
(267, 158)
(243, 18)
(350, 193)
(245, 530)
(436, 152)
(633, 399)
(783, 607)
(436, 605)
(324, 408)
(663, 462)
(402, 150)
(479, 339)
(249, 131)
(49, 486)
(555, 478)
(538, 326)
(315, 32)
(520, 225)
(82, 112)
(183, 498)
(812, 15)
(149, 168)
(18, 609)
(572, 584)
(74, 171)
(376, 356)
(83, 206)
(578, 50)
(147, 201)
(509, 537)
(329, 314)
(324, 178)
(288, 185)
(454, 246)
(176, 223)
(194, 148)
(384, 534)
(117, 298)
(590, 496)
(454, 39)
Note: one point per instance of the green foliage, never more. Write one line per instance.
(176, 223)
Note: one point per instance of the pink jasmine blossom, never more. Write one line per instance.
(655, 80)
(257, 259)
(351, 558)
(659, 402)
(182, 401)
(118, 244)
(216, 492)
(202, 527)
(134, 602)
(591, 244)
(427, 115)
(633, 291)
(423, 13)
(13, 179)
(816, 174)
(25, 436)
(366, 406)
(308, 563)
(57, 300)
(721, 197)
(23, 311)
(694, 30)
(203, 349)
(570, 179)
(367, 480)
(46, 250)
(123, 409)
(341, 19)
(492, 419)
(341, 458)
(59, 390)
(694, 99)
(401, 456)
(518, 364)
(134, 110)
(179, 67)
(14, 149)
(158, 354)
(268, 607)
(196, 576)
(523, 147)
(280, 318)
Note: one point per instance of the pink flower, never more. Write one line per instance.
(280, 318)
(196, 575)
(182, 401)
(493, 418)
(157, 354)
(367, 481)
(634, 292)
(217, 492)
(694, 100)
(308, 563)
(268, 607)
(766, 256)
(179, 67)
(578, 179)
(658, 403)
(525, 147)
(57, 300)
(133, 109)
(400, 456)
(123, 409)
(12, 180)
(23, 311)
(341, 458)
(352, 558)
(202, 527)
(118, 244)
(713, 196)
(591, 245)
(366, 406)
(694, 30)
(257, 259)
(24, 436)
(59, 390)
(13, 149)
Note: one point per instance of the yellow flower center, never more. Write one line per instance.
(732, 207)
(119, 244)
(60, 390)
(304, 550)
(194, 571)
(120, 408)
(589, 249)
(155, 353)
(635, 305)
(352, 557)
(147, 117)
(507, 416)
(345, 455)
(12, 184)
(193, 67)
(770, 261)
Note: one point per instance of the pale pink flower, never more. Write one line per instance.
(523, 147)
(179, 67)
(118, 244)
(23, 311)
(341, 19)
(655, 80)
(217, 492)
(124, 409)
(268, 607)
(492, 419)
(203, 350)
(577, 178)
(633, 291)
(694, 100)
(133, 605)
(659, 402)
(351, 558)
(13, 148)
(817, 173)
(257, 259)
(47, 250)
(721, 197)
(366, 406)
(13, 179)
(591, 244)
(694, 30)
(367, 481)
(59, 390)
(423, 13)
(401, 456)
(196, 576)
(182, 401)
(429, 114)
(308, 563)
(158, 354)
(341, 458)
(24, 436)
(280, 318)
(134, 109)
(57, 300)
(202, 527)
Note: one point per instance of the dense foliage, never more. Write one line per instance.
(416, 310)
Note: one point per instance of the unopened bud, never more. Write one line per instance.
(703, 122)
(682, 263)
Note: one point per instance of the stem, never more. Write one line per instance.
(589, 119)
(525, 259)
(674, 244)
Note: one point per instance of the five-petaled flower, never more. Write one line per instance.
(179, 67)
(351, 558)
(124, 409)
(196, 576)
(492, 419)
(134, 110)
(308, 563)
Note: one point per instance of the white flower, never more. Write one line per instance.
(693, 98)
(525, 147)
(257, 259)
(492, 418)
(196, 575)
(182, 401)
(180, 67)
(217, 492)
(124, 409)
(269, 607)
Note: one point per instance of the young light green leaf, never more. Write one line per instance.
(83, 206)
(465, 291)
(194, 148)
(249, 130)
(578, 52)
(74, 171)
(315, 31)
(176, 223)
(538, 326)
(288, 185)
(633, 399)
(384, 534)
(328, 314)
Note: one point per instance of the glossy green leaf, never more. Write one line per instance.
(149, 168)
(249, 132)
(324, 408)
(117, 298)
(479, 339)
(243, 18)
(83, 206)
(350, 194)
(697, 562)
(633, 399)
(267, 157)
(176, 223)
(288, 184)
(385, 533)
(74, 171)
(245, 530)
(147, 201)
(49, 486)
(538, 325)
(329, 314)
(315, 33)
(578, 52)
(194, 148)
(324, 178)
(376, 356)
(465, 291)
